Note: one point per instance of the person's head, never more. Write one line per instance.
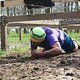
(37, 35)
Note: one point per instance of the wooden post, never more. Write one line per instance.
(3, 33)
(20, 33)
(47, 10)
(7, 11)
(3, 29)
(60, 25)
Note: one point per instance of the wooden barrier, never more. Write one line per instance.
(32, 17)
(29, 24)
(49, 16)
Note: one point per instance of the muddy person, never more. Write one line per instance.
(53, 42)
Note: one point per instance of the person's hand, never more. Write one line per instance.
(37, 54)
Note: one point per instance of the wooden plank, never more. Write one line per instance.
(30, 25)
(76, 21)
(72, 26)
(49, 16)
(49, 22)
(34, 23)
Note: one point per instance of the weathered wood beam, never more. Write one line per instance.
(49, 16)
(70, 22)
(30, 25)
(3, 36)
(72, 26)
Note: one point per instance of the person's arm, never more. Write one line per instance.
(56, 50)
(33, 47)
(53, 52)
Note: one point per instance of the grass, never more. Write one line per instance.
(2, 53)
(75, 36)
(13, 37)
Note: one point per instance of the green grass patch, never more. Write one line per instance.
(76, 36)
(13, 37)
(2, 53)
(21, 49)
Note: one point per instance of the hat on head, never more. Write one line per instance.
(37, 34)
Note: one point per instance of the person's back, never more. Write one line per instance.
(56, 33)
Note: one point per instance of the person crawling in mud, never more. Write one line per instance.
(53, 41)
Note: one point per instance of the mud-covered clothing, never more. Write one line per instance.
(53, 36)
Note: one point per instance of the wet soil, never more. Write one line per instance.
(23, 67)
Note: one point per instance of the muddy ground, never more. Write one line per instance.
(23, 67)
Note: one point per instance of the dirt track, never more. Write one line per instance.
(22, 67)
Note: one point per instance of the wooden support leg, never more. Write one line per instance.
(20, 34)
(3, 36)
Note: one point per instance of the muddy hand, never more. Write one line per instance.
(36, 54)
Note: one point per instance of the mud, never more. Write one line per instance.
(23, 67)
